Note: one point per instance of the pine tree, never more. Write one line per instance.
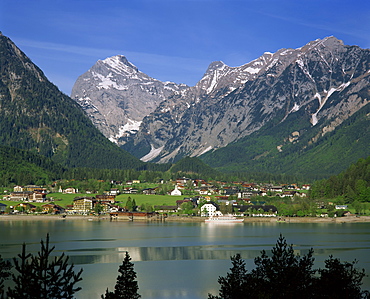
(233, 285)
(126, 286)
(42, 277)
(284, 274)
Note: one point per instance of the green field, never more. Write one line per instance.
(67, 199)
(154, 200)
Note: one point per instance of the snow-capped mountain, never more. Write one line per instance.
(116, 96)
(325, 80)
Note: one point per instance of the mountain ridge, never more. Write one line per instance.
(228, 104)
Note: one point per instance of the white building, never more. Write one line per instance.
(209, 210)
(176, 192)
(70, 191)
(18, 189)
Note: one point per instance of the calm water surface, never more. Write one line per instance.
(178, 260)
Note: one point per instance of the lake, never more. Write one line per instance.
(178, 260)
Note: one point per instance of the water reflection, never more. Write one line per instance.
(222, 252)
(178, 260)
(116, 255)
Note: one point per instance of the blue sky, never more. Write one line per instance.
(172, 40)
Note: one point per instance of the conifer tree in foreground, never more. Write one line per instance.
(42, 276)
(126, 286)
(231, 286)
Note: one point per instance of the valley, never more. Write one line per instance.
(297, 115)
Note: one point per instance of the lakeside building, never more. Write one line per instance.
(83, 205)
(210, 210)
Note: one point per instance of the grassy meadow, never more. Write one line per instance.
(154, 200)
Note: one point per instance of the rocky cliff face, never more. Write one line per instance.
(325, 80)
(116, 96)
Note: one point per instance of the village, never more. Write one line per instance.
(190, 197)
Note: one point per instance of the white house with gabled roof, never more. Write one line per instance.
(209, 210)
(176, 192)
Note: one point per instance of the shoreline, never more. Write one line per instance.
(346, 219)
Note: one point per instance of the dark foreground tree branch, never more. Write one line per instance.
(5, 267)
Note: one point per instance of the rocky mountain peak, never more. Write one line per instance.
(332, 41)
(329, 42)
(215, 66)
(117, 96)
(119, 63)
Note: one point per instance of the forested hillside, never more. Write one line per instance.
(193, 166)
(352, 184)
(23, 167)
(36, 116)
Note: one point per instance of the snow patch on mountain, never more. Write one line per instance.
(206, 150)
(344, 86)
(322, 102)
(131, 127)
(120, 64)
(154, 152)
(107, 82)
(253, 70)
(272, 64)
(295, 108)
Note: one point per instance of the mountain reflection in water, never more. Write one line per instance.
(116, 255)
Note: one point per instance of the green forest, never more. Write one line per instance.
(22, 167)
(350, 185)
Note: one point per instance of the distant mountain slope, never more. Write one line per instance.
(281, 149)
(309, 91)
(36, 116)
(116, 96)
